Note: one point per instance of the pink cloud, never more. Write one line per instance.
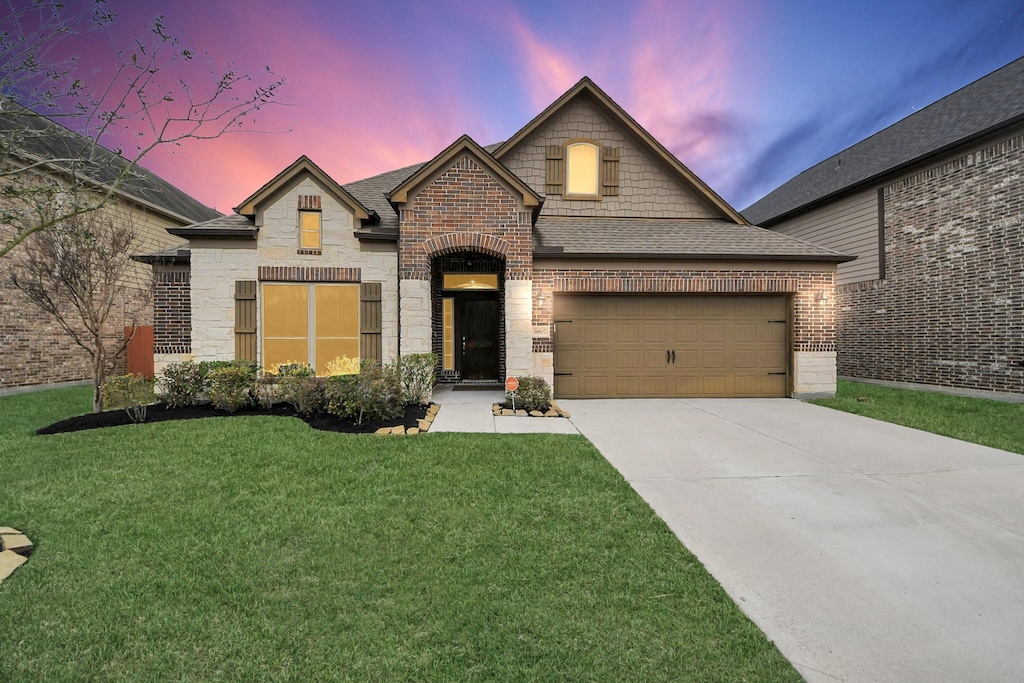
(549, 71)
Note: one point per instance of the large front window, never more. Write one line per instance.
(310, 323)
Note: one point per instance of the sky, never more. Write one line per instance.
(746, 93)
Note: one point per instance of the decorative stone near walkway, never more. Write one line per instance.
(14, 550)
(422, 425)
(553, 411)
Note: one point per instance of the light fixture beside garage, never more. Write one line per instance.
(820, 297)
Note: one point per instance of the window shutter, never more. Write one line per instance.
(610, 172)
(245, 320)
(370, 327)
(555, 170)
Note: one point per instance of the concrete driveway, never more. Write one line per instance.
(865, 550)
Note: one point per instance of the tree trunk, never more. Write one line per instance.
(99, 372)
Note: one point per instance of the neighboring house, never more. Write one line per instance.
(35, 350)
(579, 250)
(932, 207)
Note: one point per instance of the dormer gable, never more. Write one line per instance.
(303, 167)
(559, 178)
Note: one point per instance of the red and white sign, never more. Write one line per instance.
(511, 383)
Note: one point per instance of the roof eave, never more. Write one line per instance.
(554, 252)
(371, 236)
(193, 231)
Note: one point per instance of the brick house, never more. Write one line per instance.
(932, 207)
(579, 250)
(35, 350)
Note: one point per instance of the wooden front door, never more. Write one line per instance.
(476, 336)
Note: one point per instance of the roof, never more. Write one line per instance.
(45, 139)
(302, 165)
(585, 86)
(234, 225)
(670, 238)
(464, 144)
(986, 105)
(179, 254)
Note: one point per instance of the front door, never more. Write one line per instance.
(476, 321)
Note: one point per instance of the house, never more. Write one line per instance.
(579, 250)
(35, 350)
(932, 208)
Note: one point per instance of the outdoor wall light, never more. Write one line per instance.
(820, 297)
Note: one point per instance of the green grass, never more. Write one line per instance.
(990, 423)
(255, 548)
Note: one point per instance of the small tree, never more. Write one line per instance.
(79, 272)
(153, 92)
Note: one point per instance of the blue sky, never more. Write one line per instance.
(746, 93)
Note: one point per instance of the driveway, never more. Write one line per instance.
(865, 550)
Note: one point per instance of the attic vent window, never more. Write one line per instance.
(583, 159)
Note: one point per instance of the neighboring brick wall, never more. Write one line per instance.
(172, 310)
(465, 209)
(37, 351)
(646, 188)
(951, 309)
(813, 328)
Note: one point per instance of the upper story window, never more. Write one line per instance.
(582, 163)
(309, 230)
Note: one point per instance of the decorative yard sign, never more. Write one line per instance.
(511, 384)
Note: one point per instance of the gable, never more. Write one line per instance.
(301, 168)
(646, 188)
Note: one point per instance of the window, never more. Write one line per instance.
(581, 174)
(484, 281)
(309, 230)
(448, 334)
(310, 323)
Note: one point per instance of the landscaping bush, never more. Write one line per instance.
(304, 393)
(208, 366)
(181, 384)
(534, 393)
(375, 394)
(233, 386)
(133, 393)
(417, 373)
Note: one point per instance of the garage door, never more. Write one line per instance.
(623, 346)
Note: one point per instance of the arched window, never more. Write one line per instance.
(582, 161)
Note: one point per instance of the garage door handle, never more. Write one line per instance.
(776, 373)
(668, 357)
(673, 356)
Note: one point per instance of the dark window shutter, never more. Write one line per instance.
(610, 172)
(370, 327)
(555, 170)
(245, 320)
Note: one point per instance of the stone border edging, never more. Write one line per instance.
(423, 425)
(14, 550)
(554, 410)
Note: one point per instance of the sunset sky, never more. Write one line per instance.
(747, 93)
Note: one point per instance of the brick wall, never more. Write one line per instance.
(951, 309)
(172, 310)
(465, 209)
(813, 291)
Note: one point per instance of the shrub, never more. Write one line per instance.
(534, 393)
(208, 366)
(232, 386)
(133, 393)
(291, 368)
(181, 384)
(340, 395)
(305, 393)
(375, 394)
(343, 365)
(417, 373)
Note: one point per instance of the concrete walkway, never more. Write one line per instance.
(865, 550)
(470, 411)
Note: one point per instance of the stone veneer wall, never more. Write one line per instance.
(218, 263)
(646, 188)
(813, 328)
(465, 209)
(950, 311)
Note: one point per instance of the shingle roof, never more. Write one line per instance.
(675, 237)
(989, 103)
(233, 225)
(46, 139)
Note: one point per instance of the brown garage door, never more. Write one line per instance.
(650, 345)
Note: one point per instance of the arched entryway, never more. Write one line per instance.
(467, 316)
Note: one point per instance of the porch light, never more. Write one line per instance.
(820, 297)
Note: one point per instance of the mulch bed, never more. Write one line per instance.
(161, 413)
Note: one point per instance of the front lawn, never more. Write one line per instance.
(990, 423)
(256, 548)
